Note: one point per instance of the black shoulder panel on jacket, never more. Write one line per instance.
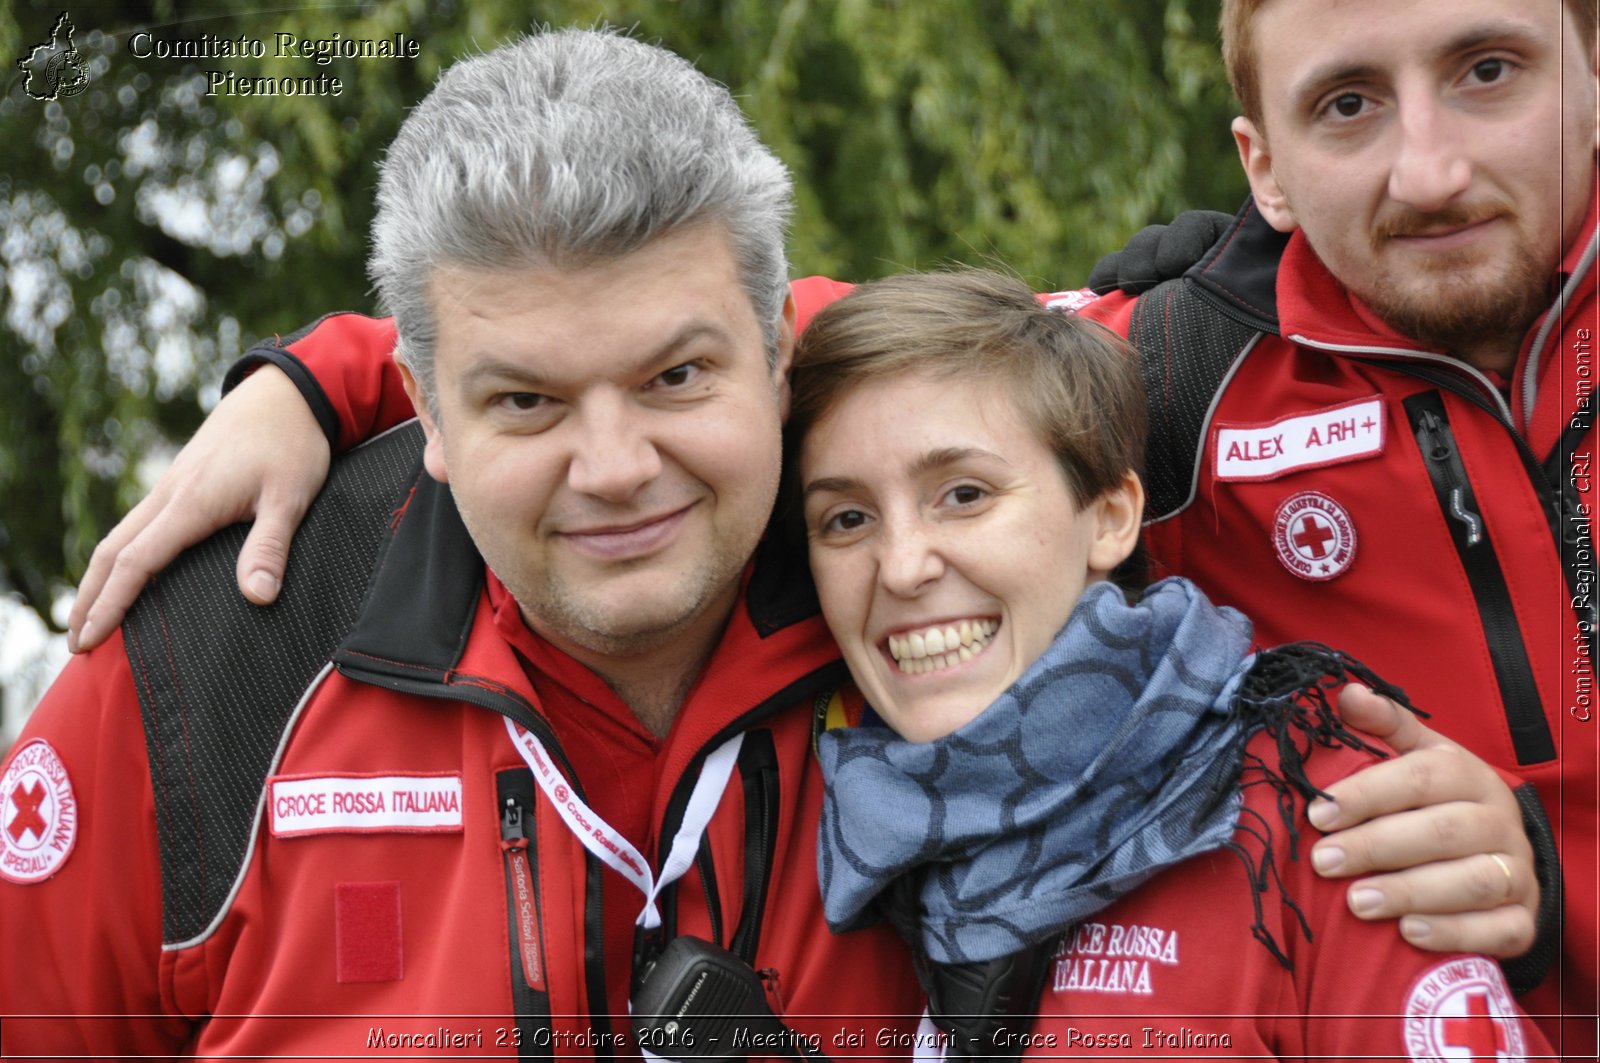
(420, 608)
(219, 679)
(781, 592)
(1240, 272)
(1188, 349)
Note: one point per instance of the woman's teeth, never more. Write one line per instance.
(941, 646)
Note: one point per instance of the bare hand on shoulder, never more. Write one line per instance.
(1435, 835)
(259, 454)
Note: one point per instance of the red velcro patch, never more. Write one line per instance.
(367, 936)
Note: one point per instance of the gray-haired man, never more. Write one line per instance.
(565, 716)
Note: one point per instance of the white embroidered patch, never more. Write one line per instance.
(1113, 958)
(38, 814)
(1315, 537)
(1070, 302)
(1347, 432)
(1461, 1009)
(363, 804)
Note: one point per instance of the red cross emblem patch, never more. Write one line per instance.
(38, 814)
(1315, 537)
(1462, 1010)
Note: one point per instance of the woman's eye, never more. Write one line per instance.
(966, 494)
(845, 521)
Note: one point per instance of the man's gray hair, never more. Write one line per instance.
(563, 150)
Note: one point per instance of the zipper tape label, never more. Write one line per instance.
(606, 842)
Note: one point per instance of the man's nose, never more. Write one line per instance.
(613, 455)
(1431, 167)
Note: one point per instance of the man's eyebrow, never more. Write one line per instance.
(929, 461)
(1319, 79)
(501, 370)
(1497, 31)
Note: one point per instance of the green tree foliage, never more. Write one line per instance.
(149, 230)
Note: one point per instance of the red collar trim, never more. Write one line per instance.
(553, 664)
(744, 671)
(1311, 303)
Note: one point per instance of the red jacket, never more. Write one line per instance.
(388, 901)
(1358, 549)
(1356, 488)
(1172, 970)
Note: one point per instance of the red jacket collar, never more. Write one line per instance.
(1574, 256)
(1314, 305)
(748, 671)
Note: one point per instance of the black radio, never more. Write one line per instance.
(699, 1001)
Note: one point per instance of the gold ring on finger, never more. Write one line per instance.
(1511, 882)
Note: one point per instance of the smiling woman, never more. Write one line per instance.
(1013, 486)
(956, 520)
(1040, 781)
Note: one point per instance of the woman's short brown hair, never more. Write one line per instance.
(1077, 384)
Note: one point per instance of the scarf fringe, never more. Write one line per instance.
(1286, 694)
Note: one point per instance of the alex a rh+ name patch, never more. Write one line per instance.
(1349, 431)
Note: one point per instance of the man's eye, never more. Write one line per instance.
(1348, 105)
(1489, 70)
(678, 375)
(523, 401)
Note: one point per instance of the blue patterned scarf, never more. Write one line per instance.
(1113, 756)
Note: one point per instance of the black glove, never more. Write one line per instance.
(1159, 253)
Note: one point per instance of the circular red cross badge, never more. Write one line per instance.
(1315, 537)
(1462, 1009)
(38, 814)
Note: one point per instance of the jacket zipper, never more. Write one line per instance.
(530, 996)
(1550, 483)
(705, 865)
(516, 708)
(758, 767)
(1449, 478)
(758, 764)
(648, 945)
(1530, 732)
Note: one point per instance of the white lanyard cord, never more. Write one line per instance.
(604, 841)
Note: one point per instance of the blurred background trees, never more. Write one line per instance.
(149, 232)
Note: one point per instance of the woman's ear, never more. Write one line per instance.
(1117, 515)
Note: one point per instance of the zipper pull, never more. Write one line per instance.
(1438, 446)
(511, 835)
